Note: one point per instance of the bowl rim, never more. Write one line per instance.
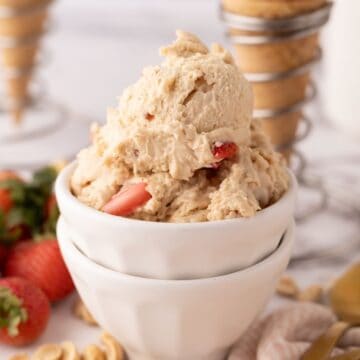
(81, 260)
(62, 189)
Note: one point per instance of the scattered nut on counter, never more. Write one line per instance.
(69, 351)
(20, 357)
(93, 352)
(83, 313)
(287, 287)
(48, 352)
(313, 293)
(112, 350)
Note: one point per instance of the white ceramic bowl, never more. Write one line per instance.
(173, 251)
(175, 319)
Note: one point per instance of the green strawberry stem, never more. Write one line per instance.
(43, 237)
(12, 314)
(49, 226)
(29, 200)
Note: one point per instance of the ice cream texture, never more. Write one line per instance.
(185, 131)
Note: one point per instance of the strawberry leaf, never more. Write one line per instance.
(12, 314)
(2, 225)
(50, 224)
(44, 178)
(29, 200)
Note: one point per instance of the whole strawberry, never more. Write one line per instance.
(43, 265)
(9, 174)
(50, 206)
(51, 215)
(4, 251)
(6, 202)
(24, 311)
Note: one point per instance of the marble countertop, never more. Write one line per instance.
(98, 48)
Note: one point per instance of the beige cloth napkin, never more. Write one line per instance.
(287, 333)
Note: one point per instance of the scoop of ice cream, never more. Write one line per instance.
(170, 119)
(171, 130)
(193, 86)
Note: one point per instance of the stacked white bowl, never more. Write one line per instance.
(174, 291)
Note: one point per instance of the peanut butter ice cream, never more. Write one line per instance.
(181, 145)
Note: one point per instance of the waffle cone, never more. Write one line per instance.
(273, 9)
(276, 57)
(16, 86)
(23, 25)
(17, 93)
(20, 4)
(282, 129)
(21, 56)
(281, 93)
(287, 154)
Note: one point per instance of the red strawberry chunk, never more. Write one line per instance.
(224, 150)
(127, 200)
(149, 116)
